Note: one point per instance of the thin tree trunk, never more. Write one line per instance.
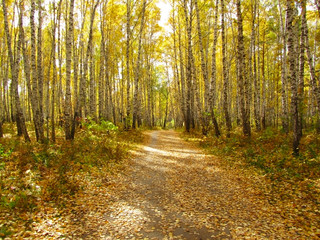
(40, 74)
(241, 81)
(313, 80)
(203, 116)
(292, 75)
(182, 77)
(189, 66)
(255, 77)
(225, 73)
(88, 57)
(102, 70)
(35, 80)
(54, 71)
(14, 65)
(92, 87)
(69, 37)
(285, 118)
(128, 33)
(27, 72)
(47, 114)
(259, 110)
(212, 95)
(75, 120)
(82, 81)
(301, 65)
(137, 70)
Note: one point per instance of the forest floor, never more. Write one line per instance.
(173, 190)
(164, 188)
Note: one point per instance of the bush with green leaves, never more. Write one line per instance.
(103, 126)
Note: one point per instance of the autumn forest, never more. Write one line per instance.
(83, 83)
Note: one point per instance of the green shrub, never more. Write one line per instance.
(4, 232)
(4, 153)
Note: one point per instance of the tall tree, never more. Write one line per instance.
(284, 117)
(301, 65)
(204, 70)
(225, 73)
(14, 66)
(40, 73)
(243, 101)
(36, 79)
(128, 38)
(256, 81)
(313, 80)
(292, 75)
(68, 106)
(137, 74)
(188, 21)
(214, 72)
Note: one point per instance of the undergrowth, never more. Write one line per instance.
(33, 175)
(292, 183)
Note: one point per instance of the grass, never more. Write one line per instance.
(33, 175)
(269, 152)
(291, 183)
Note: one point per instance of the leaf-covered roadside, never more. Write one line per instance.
(39, 182)
(292, 184)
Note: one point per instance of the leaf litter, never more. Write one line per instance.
(170, 189)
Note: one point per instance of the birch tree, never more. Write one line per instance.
(243, 101)
(137, 70)
(68, 105)
(292, 75)
(225, 73)
(14, 66)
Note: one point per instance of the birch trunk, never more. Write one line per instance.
(68, 110)
(92, 89)
(35, 80)
(182, 76)
(40, 74)
(189, 67)
(313, 80)
(203, 116)
(128, 33)
(88, 58)
(102, 64)
(285, 118)
(292, 75)
(225, 73)
(301, 65)
(27, 72)
(255, 77)
(14, 66)
(241, 80)
(212, 94)
(137, 70)
(82, 80)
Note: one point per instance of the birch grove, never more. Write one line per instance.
(215, 66)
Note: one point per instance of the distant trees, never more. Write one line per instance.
(91, 69)
(219, 65)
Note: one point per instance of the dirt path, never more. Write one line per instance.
(175, 191)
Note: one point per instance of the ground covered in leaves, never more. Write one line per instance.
(175, 191)
(41, 184)
(169, 189)
(290, 183)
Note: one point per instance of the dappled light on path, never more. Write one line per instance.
(175, 191)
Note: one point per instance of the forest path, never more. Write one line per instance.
(175, 191)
